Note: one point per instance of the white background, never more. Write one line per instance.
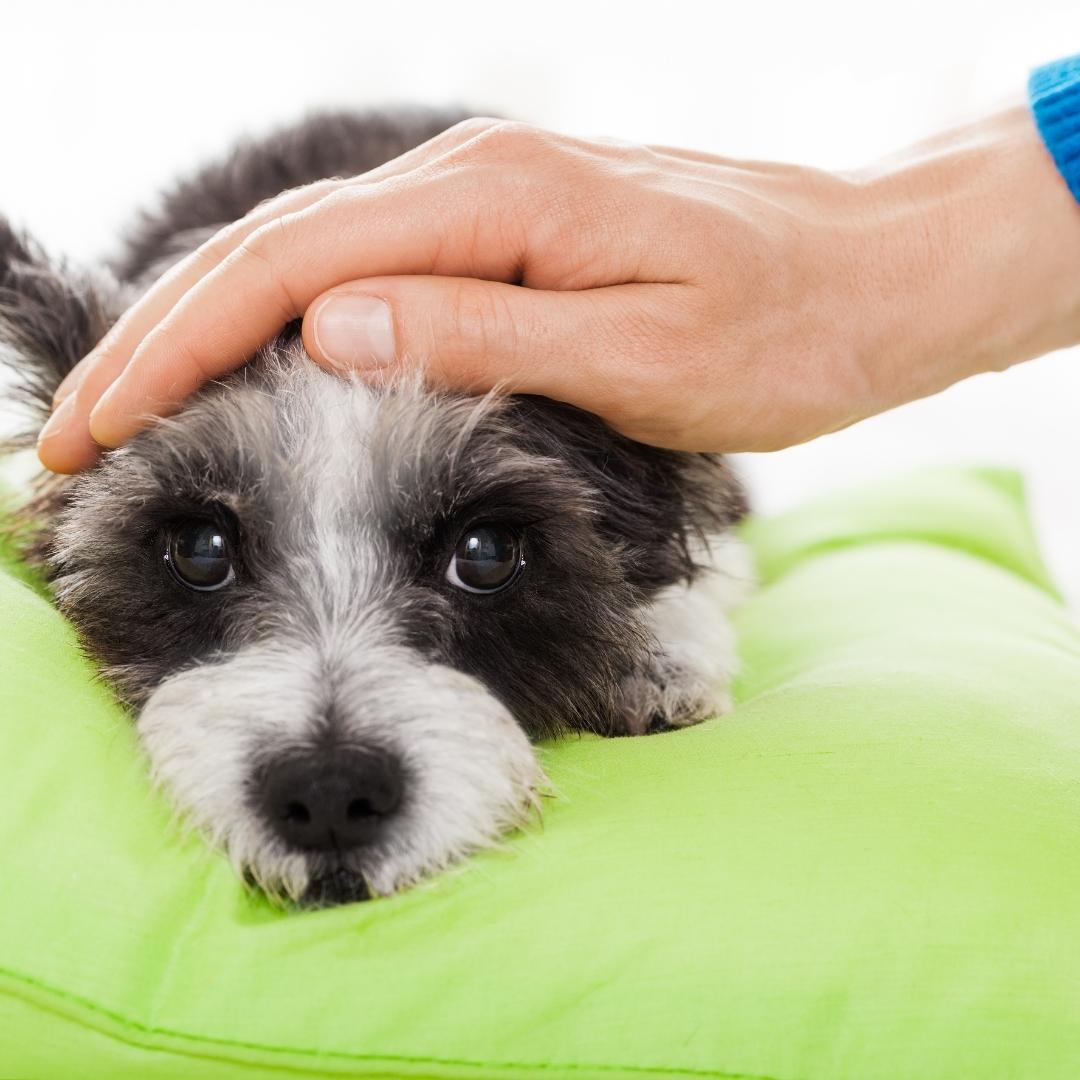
(103, 103)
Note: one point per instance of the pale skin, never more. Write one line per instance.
(692, 301)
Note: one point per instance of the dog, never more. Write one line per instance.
(341, 616)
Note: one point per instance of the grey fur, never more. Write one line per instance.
(343, 506)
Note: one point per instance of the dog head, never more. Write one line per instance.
(340, 615)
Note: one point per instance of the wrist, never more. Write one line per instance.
(970, 250)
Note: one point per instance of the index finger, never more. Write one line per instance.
(432, 226)
(109, 357)
(114, 351)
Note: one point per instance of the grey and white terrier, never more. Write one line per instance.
(340, 615)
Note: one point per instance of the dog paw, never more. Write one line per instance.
(666, 696)
(686, 676)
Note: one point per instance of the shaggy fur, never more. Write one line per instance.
(342, 631)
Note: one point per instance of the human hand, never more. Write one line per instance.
(691, 301)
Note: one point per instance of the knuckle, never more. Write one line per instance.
(515, 139)
(281, 203)
(464, 130)
(515, 170)
(229, 237)
(307, 193)
(272, 250)
(484, 332)
(262, 244)
(213, 250)
(338, 196)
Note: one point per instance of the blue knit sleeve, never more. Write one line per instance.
(1055, 100)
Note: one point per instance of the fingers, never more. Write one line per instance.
(466, 207)
(598, 349)
(67, 450)
(269, 280)
(118, 346)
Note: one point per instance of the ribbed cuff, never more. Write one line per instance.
(1054, 90)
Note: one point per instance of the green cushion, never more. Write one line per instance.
(871, 869)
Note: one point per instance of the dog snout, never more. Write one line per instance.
(332, 800)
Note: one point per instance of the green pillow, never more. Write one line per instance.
(871, 869)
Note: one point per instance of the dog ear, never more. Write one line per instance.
(659, 506)
(51, 316)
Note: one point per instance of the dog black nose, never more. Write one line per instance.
(331, 800)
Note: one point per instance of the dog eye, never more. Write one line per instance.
(198, 556)
(487, 558)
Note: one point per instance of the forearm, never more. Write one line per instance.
(979, 265)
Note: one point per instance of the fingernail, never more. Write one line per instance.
(60, 417)
(355, 331)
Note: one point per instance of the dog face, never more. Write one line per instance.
(340, 615)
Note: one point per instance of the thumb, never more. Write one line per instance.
(475, 335)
